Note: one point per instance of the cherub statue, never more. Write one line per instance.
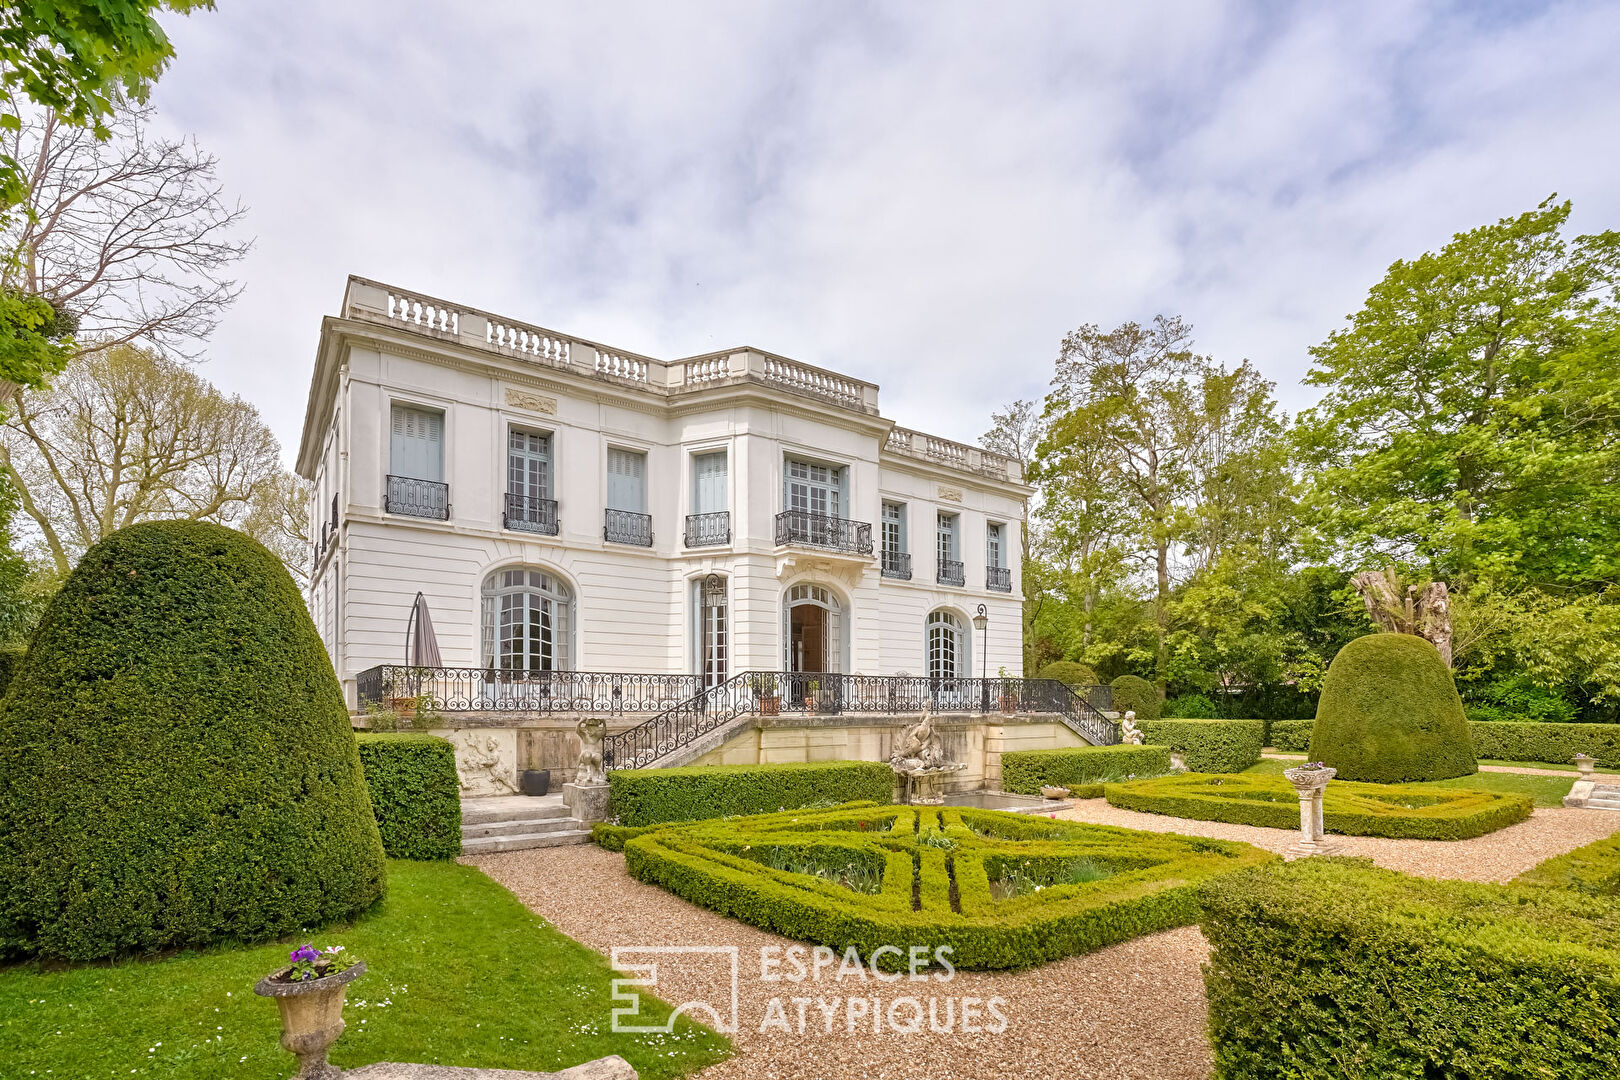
(1128, 731)
(480, 766)
(592, 731)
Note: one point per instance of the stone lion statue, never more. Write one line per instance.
(592, 731)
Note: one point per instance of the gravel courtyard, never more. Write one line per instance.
(1132, 1010)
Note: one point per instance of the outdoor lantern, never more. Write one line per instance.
(981, 621)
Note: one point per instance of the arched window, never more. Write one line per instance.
(813, 631)
(528, 622)
(713, 631)
(947, 646)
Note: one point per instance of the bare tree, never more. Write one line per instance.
(128, 236)
(1425, 614)
(278, 518)
(126, 435)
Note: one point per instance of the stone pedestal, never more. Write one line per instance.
(586, 802)
(1311, 784)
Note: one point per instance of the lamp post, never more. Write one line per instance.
(981, 623)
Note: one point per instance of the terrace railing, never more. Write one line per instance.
(452, 689)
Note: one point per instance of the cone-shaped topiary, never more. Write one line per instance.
(176, 761)
(1390, 714)
(1132, 693)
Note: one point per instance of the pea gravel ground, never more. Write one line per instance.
(1133, 1010)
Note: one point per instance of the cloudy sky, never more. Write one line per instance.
(924, 194)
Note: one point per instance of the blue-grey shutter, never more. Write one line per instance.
(416, 446)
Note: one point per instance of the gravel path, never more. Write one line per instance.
(1135, 1010)
(1523, 770)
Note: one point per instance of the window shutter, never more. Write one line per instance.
(627, 481)
(417, 444)
(709, 483)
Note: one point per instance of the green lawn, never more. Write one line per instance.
(461, 973)
(1545, 790)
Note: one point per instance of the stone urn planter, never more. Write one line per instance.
(311, 1016)
(1585, 763)
(1050, 792)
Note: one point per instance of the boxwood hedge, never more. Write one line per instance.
(1210, 745)
(1024, 772)
(1593, 869)
(935, 877)
(1554, 743)
(1332, 969)
(1291, 736)
(415, 794)
(1407, 812)
(654, 796)
(176, 761)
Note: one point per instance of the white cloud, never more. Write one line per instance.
(927, 195)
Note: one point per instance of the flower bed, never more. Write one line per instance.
(1080, 769)
(1399, 811)
(1001, 890)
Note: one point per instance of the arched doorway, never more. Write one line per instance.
(814, 630)
(528, 622)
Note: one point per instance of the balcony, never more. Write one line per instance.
(824, 531)
(524, 513)
(951, 572)
(707, 530)
(627, 527)
(998, 578)
(411, 497)
(897, 565)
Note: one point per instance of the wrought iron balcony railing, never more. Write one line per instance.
(707, 530)
(823, 531)
(897, 564)
(417, 498)
(627, 527)
(998, 578)
(951, 572)
(525, 513)
(452, 689)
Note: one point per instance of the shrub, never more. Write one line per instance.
(797, 874)
(1401, 812)
(11, 658)
(1593, 869)
(176, 761)
(654, 796)
(1331, 969)
(1291, 736)
(1518, 698)
(415, 794)
(1190, 707)
(1390, 713)
(1135, 694)
(1023, 772)
(1553, 743)
(1210, 746)
(1070, 673)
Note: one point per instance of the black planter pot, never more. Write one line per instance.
(536, 781)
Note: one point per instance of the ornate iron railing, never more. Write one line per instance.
(707, 530)
(897, 564)
(998, 578)
(823, 531)
(951, 572)
(525, 513)
(417, 498)
(776, 693)
(627, 527)
(450, 689)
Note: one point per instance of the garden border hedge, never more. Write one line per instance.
(1210, 746)
(1351, 809)
(1593, 868)
(926, 854)
(1023, 772)
(1556, 744)
(699, 792)
(1291, 736)
(415, 793)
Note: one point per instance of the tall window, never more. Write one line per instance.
(994, 552)
(527, 622)
(894, 533)
(815, 489)
(712, 629)
(528, 464)
(947, 538)
(946, 658)
(416, 444)
(627, 480)
(709, 483)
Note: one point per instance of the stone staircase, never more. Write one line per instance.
(518, 822)
(1604, 797)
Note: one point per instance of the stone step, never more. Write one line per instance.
(1611, 803)
(485, 845)
(519, 826)
(511, 808)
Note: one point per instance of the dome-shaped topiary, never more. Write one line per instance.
(1069, 672)
(176, 760)
(1132, 693)
(1390, 714)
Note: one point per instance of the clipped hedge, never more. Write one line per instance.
(1389, 714)
(699, 792)
(936, 873)
(415, 794)
(1391, 810)
(1291, 736)
(1023, 772)
(176, 761)
(11, 658)
(1132, 693)
(1332, 969)
(1210, 746)
(1593, 869)
(1555, 744)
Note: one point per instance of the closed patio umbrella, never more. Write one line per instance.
(421, 646)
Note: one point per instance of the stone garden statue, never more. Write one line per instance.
(920, 757)
(592, 731)
(1129, 733)
(481, 767)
